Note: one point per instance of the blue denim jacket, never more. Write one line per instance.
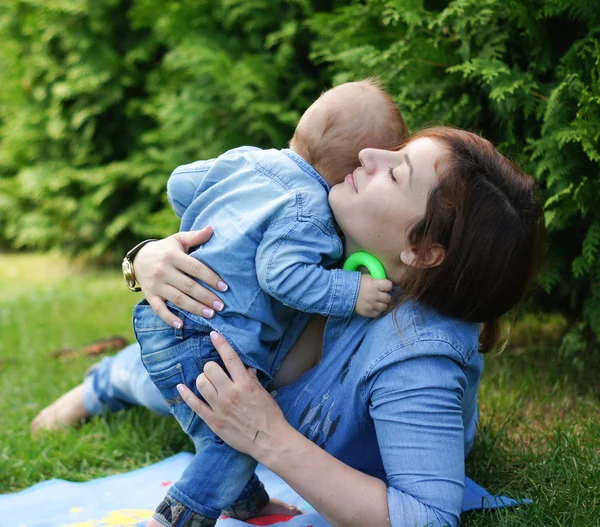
(396, 398)
(274, 243)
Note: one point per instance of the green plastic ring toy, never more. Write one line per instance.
(367, 260)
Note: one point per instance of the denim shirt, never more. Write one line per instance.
(274, 243)
(396, 398)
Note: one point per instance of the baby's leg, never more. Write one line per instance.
(217, 473)
(254, 501)
(215, 478)
(250, 502)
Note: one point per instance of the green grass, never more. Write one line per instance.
(539, 435)
(47, 305)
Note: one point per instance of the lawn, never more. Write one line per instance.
(539, 434)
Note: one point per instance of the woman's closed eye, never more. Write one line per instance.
(391, 174)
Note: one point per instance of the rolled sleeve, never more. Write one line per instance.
(291, 264)
(416, 408)
(343, 299)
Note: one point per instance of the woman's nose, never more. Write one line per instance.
(367, 159)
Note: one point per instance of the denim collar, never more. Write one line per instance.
(307, 168)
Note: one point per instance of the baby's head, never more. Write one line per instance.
(343, 121)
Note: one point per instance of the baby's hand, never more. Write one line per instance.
(373, 296)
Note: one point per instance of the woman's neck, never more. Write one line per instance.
(349, 249)
(395, 272)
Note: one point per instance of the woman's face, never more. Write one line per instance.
(382, 199)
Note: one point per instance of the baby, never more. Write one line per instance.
(275, 244)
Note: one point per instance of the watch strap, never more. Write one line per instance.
(132, 252)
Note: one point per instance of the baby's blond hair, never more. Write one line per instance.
(343, 121)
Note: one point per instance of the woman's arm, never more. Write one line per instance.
(243, 414)
(415, 405)
(345, 496)
(415, 401)
(164, 270)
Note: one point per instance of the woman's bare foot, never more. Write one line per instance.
(279, 507)
(66, 411)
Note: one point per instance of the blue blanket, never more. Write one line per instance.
(128, 500)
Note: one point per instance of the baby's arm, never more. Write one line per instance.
(291, 265)
(374, 296)
(184, 183)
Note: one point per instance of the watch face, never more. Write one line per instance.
(128, 273)
(127, 269)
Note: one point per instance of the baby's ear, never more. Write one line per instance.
(432, 257)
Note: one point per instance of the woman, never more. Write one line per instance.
(377, 432)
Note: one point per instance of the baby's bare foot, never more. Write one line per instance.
(65, 412)
(279, 507)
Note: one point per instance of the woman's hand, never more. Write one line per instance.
(237, 408)
(242, 413)
(163, 270)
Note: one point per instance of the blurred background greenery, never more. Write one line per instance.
(101, 99)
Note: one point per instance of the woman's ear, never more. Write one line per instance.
(432, 257)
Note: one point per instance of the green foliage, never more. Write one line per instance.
(524, 74)
(99, 101)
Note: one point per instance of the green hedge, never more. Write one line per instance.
(524, 74)
(101, 99)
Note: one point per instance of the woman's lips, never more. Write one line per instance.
(349, 179)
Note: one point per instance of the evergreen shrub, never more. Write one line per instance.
(100, 100)
(526, 75)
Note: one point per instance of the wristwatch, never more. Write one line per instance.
(128, 272)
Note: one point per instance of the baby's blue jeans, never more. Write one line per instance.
(218, 475)
(121, 382)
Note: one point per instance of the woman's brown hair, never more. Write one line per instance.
(486, 214)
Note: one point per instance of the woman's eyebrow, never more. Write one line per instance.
(410, 168)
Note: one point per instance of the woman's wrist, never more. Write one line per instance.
(283, 445)
(129, 267)
(137, 261)
(342, 494)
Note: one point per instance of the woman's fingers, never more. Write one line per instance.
(203, 301)
(176, 296)
(195, 403)
(193, 238)
(217, 377)
(230, 358)
(236, 407)
(206, 389)
(161, 309)
(161, 268)
(193, 267)
(252, 373)
(181, 300)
